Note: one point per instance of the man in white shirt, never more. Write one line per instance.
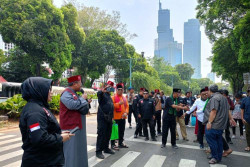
(200, 104)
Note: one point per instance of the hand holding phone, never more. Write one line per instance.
(73, 131)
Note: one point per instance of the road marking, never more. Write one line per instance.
(89, 147)
(92, 135)
(14, 164)
(10, 155)
(131, 139)
(126, 159)
(187, 163)
(218, 165)
(94, 160)
(11, 146)
(155, 161)
(7, 136)
(10, 141)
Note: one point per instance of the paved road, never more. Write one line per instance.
(140, 153)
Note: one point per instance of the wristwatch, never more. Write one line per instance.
(210, 123)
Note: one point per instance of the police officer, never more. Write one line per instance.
(169, 118)
(146, 110)
(135, 104)
(41, 134)
(104, 120)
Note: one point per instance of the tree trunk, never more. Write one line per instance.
(91, 82)
(38, 70)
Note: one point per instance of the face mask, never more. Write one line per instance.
(110, 89)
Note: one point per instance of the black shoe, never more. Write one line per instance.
(154, 139)
(146, 139)
(130, 126)
(159, 134)
(141, 135)
(108, 151)
(175, 146)
(230, 142)
(123, 145)
(135, 136)
(163, 145)
(99, 155)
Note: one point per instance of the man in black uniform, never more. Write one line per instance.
(104, 120)
(135, 105)
(190, 101)
(169, 118)
(146, 110)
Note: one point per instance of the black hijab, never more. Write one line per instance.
(36, 88)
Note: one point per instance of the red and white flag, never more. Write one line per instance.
(34, 127)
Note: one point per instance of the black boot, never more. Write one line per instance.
(100, 155)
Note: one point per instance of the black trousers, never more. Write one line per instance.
(121, 129)
(104, 130)
(158, 121)
(225, 145)
(145, 123)
(201, 129)
(169, 123)
(240, 125)
(227, 132)
(138, 129)
(187, 118)
(131, 111)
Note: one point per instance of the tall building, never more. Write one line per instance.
(165, 45)
(192, 46)
(211, 76)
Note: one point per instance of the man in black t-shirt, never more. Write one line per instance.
(169, 118)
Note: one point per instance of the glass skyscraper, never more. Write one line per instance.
(192, 46)
(165, 45)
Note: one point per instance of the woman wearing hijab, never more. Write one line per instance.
(41, 133)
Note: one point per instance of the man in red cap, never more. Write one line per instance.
(104, 120)
(121, 109)
(73, 110)
(136, 100)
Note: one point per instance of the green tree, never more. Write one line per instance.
(93, 18)
(225, 62)
(185, 70)
(18, 66)
(37, 27)
(203, 82)
(221, 16)
(2, 57)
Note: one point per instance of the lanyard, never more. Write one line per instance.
(205, 105)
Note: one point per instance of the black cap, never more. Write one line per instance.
(203, 90)
(177, 90)
(145, 91)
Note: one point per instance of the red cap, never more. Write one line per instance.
(157, 91)
(74, 78)
(206, 88)
(110, 83)
(119, 85)
(142, 89)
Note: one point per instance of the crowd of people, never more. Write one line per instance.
(46, 142)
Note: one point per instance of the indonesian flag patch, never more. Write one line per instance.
(34, 127)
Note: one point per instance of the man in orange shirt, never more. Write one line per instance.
(121, 110)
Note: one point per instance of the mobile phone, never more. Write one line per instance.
(73, 131)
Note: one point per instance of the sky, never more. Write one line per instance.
(141, 17)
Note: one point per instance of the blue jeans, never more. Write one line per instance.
(214, 140)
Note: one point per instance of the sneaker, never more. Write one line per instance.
(175, 146)
(233, 137)
(202, 146)
(99, 155)
(163, 145)
(146, 139)
(141, 135)
(135, 136)
(154, 139)
(242, 137)
(109, 151)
